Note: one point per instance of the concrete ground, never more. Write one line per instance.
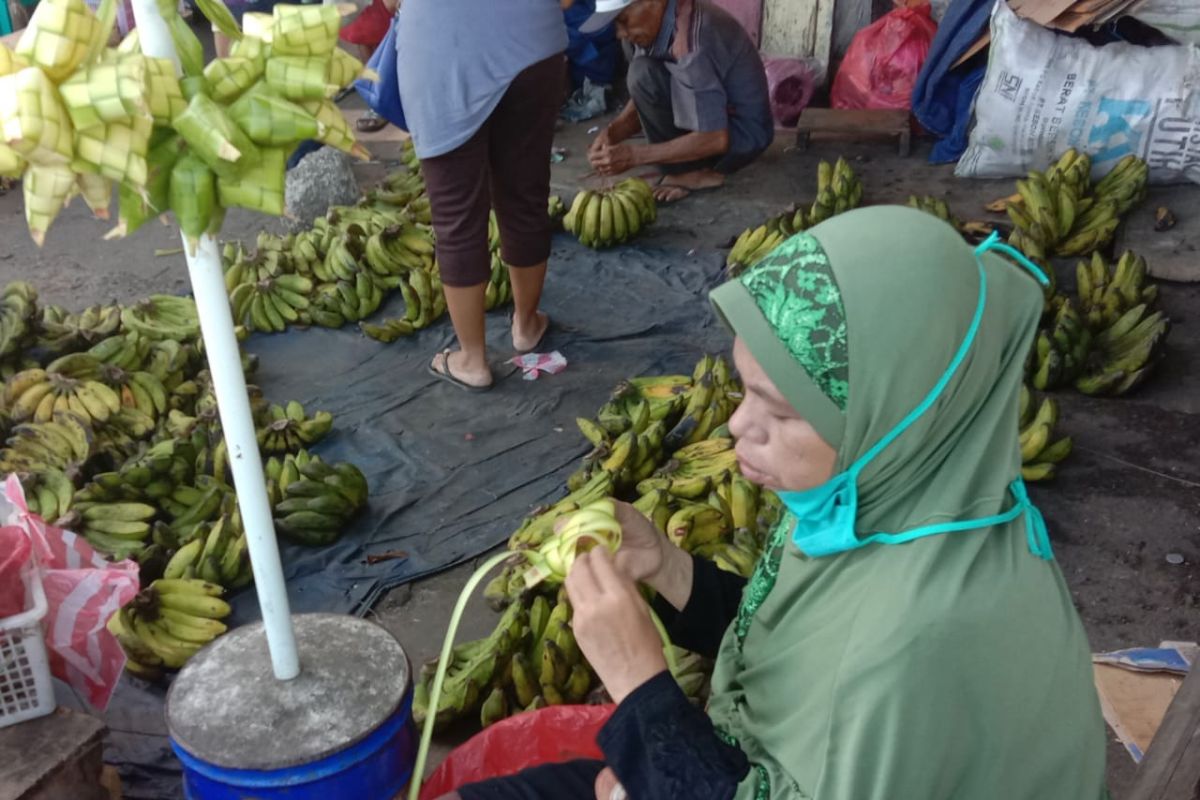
(1127, 499)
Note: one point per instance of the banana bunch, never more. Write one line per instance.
(611, 216)
(217, 553)
(838, 189)
(399, 248)
(1125, 185)
(48, 493)
(167, 623)
(693, 673)
(137, 390)
(320, 499)
(1059, 213)
(271, 304)
(753, 244)
(530, 661)
(1125, 353)
(18, 309)
(163, 316)
(288, 429)
(1060, 353)
(539, 526)
(408, 156)
(64, 442)
(60, 331)
(128, 351)
(117, 529)
(1107, 292)
(498, 291)
(39, 394)
(1040, 455)
(557, 209)
(937, 207)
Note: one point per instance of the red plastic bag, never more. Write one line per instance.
(82, 591)
(15, 552)
(547, 736)
(881, 66)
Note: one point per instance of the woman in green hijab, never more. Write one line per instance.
(906, 634)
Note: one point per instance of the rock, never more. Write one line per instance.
(321, 179)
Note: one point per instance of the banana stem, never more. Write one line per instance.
(439, 677)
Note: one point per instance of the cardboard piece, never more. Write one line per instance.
(1137, 686)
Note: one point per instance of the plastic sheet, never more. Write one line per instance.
(451, 473)
(548, 736)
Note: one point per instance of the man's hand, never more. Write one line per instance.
(603, 139)
(612, 624)
(614, 159)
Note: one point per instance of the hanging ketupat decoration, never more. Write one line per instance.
(78, 117)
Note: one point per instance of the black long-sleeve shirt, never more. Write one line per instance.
(660, 746)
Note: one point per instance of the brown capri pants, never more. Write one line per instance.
(505, 165)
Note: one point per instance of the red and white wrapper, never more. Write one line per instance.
(83, 590)
(536, 364)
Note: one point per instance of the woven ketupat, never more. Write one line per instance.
(116, 150)
(214, 137)
(258, 25)
(11, 163)
(58, 37)
(345, 69)
(259, 188)
(96, 191)
(308, 30)
(250, 47)
(270, 120)
(10, 62)
(136, 205)
(229, 77)
(337, 131)
(33, 121)
(47, 189)
(164, 95)
(300, 77)
(193, 197)
(110, 92)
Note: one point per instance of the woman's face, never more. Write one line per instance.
(775, 447)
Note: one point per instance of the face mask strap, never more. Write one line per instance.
(993, 243)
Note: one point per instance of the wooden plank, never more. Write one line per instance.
(854, 124)
(1171, 769)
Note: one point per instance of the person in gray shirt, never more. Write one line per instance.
(699, 93)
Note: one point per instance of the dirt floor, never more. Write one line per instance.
(1127, 499)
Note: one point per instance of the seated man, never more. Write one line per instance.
(699, 93)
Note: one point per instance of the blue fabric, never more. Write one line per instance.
(383, 96)
(460, 57)
(943, 97)
(591, 55)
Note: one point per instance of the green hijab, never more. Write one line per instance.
(954, 666)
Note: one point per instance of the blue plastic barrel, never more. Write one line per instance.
(378, 767)
(343, 728)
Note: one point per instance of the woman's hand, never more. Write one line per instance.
(642, 551)
(612, 624)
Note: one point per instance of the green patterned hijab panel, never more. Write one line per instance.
(796, 291)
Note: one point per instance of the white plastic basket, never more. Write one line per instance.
(26, 690)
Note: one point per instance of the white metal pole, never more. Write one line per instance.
(229, 383)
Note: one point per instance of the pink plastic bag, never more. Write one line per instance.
(790, 83)
(547, 736)
(82, 591)
(881, 66)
